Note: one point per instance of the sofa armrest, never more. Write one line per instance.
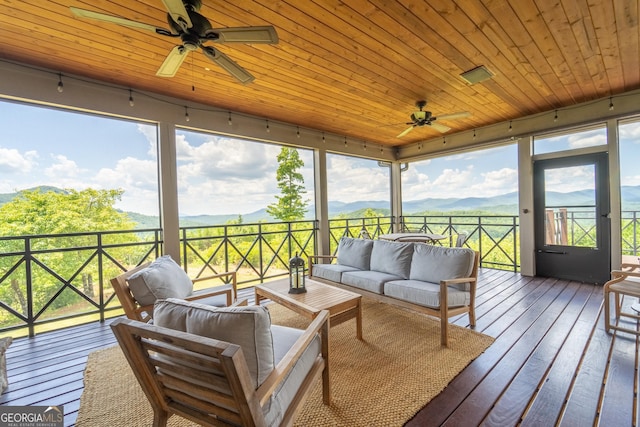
(448, 282)
(319, 325)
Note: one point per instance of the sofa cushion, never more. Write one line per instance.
(163, 278)
(331, 271)
(247, 326)
(435, 263)
(355, 252)
(392, 258)
(283, 339)
(425, 293)
(372, 281)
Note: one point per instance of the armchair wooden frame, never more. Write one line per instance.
(625, 281)
(207, 381)
(133, 310)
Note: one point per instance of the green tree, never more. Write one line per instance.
(50, 213)
(290, 205)
(34, 212)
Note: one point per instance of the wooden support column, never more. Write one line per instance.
(322, 205)
(169, 219)
(396, 195)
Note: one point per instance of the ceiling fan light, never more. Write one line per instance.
(477, 75)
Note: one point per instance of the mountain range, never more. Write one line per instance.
(505, 204)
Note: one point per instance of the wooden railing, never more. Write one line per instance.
(496, 237)
(53, 281)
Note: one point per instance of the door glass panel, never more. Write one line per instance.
(570, 206)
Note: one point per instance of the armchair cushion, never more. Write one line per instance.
(163, 278)
(247, 326)
(283, 339)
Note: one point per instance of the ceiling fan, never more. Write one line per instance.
(422, 118)
(194, 30)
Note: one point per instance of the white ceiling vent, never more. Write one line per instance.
(477, 75)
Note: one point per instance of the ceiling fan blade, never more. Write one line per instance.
(228, 64)
(266, 34)
(439, 127)
(453, 116)
(172, 62)
(116, 20)
(178, 13)
(404, 132)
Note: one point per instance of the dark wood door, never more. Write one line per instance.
(572, 226)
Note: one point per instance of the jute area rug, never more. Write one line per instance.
(381, 381)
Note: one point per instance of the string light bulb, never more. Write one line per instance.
(268, 128)
(610, 104)
(298, 131)
(186, 114)
(474, 134)
(131, 103)
(364, 146)
(345, 141)
(444, 140)
(510, 127)
(555, 118)
(60, 85)
(229, 122)
(323, 138)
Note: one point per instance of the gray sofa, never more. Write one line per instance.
(437, 280)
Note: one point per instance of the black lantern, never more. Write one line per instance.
(296, 275)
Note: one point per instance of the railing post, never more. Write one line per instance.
(185, 258)
(515, 244)
(27, 257)
(635, 241)
(100, 279)
(480, 239)
(225, 245)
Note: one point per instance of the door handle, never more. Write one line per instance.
(540, 251)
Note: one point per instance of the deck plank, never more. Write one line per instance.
(552, 394)
(551, 363)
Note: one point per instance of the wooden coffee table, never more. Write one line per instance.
(343, 305)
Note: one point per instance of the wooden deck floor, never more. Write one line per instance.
(551, 364)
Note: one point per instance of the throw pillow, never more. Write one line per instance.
(435, 263)
(392, 258)
(355, 252)
(163, 278)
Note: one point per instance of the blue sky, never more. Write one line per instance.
(42, 146)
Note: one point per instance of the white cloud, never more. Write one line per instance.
(12, 161)
(630, 131)
(350, 179)
(139, 180)
(588, 139)
(496, 182)
(62, 169)
(568, 179)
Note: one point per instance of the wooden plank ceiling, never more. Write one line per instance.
(356, 67)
